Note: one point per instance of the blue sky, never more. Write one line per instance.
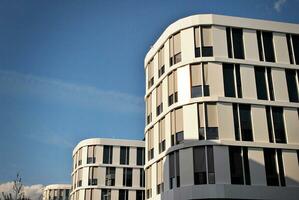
(71, 70)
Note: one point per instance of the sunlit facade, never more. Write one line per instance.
(222, 110)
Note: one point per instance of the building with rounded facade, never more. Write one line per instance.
(57, 192)
(108, 169)
(222, 110)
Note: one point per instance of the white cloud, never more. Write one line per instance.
(33, 192)
(278, 4)
(53, 91)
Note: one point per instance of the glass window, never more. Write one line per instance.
(207, 47)
(197, 41)
(270, 166)
(246, 166)
(123, 195)
(140, 195)
(289, 43)
(228, 78)
(281, 168)
(238, 80)
(229, 42)
(259, 44)
(150, 72)
(237, 34)
(278, 123)
(245, 121)
(175, 49)
(107, 157)
(124, 155)
(90, 155)
(236, 122)
(171, 170)
(295, 39)
(177, 168)
(270, 84)
(161, 63)
(211, 170)
(260, 80)
(110, 176)
(199, 162)
(172, 88)
(236, 169)
(292, 85)
(106, 194)
(142, 178)
(211, 121)
(140, 156)
(268, 46)
(269, 123)
(127, 177)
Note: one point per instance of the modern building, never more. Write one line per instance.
(108, 169)
(57, 192)
(222, 110)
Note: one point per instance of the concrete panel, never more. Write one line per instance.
(187, 44)
(102, 172)
(291, 125)
(186, 167)
(291, 167)
(85, 176)
(155, 65)
(99, 154)
(250, 45)
(136, 175)
(167, 131)
(281, 48)
(279, 85)
(219, 41)
(84, 155)
(118, 176)
(154, 103)
(81, 194)
(132, 195)
(165, 93)
(259, 123)
(257, 166)
(221, 165)
(114, 194)
(183, 76)
(215, 79)
(248, 82)
(225, 121)
(166, 55)
(133, 156)
(116, 155)
(190, 122)
(156, 139)
(154, 179)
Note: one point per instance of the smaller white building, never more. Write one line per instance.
(108, 169)
(57, 192)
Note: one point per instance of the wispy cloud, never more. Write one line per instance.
(278, 4)
(53, 90)
(31, 191)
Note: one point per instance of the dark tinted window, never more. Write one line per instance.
(246, 166)
(259, 44)
(269, 124)
(127, 177)
(140, 194)
(261, 87)
(211, 170)
(270, 165)
(281, 168)
(124, 155)
(123, 195)
(245, 121)
(110, 176)
(238, 43)
(236, 169)
(140, 156)
(228, 78)
(278, 122)
(295, 39)
(229, 42)
(107, 157)
(142, 178)
(292, 85)
(291, 56)
(238, 80)
(199, 162)
(270, 84)
(236, 122)
(268, 47)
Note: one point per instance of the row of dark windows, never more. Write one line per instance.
(123, 194)
(110, 177)
(235, 47)
(124, 156)
(263, 81)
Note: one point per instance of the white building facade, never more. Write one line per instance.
(222, 110)
(108, 169)
(57, 192)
